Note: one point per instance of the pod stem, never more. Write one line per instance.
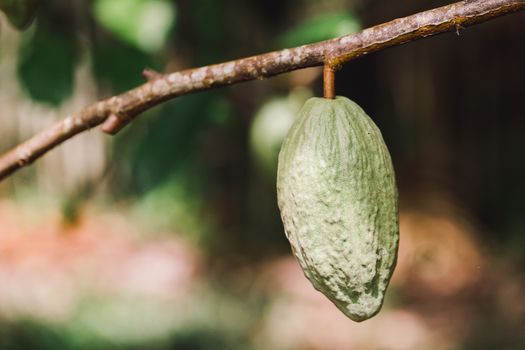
(329, 81)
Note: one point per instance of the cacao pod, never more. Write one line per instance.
(339, 204)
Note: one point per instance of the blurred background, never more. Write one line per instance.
(168, 235)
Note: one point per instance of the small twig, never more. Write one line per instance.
(151, 75)
(123, 108)
(112, 124)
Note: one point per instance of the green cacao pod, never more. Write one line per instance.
(339, 204)
(20, 12)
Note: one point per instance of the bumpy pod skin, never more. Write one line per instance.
(339, 204)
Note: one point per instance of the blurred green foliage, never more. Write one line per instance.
(270, 125)
(47, 63)
(20, 13)
(207, 320)
(169, 141)
(146, 24)
(322, 27)
(118, 65)
(203, 165)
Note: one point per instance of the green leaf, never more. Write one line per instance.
(271, 124)
(46, 65)
(167, 145)
(20, 13)
(144, 24)
(323, 27)
(120, 65)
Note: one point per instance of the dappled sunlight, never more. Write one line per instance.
(441, 279)
(89, 275)
(47, 268)
(439, 252)
(301, 318)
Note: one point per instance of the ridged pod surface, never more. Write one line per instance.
(339, 204)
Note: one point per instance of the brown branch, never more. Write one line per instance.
(117, 111)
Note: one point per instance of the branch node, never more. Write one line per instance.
(113, 124)
(151, 74)
(458, 26)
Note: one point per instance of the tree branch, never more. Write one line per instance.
(115, 112)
